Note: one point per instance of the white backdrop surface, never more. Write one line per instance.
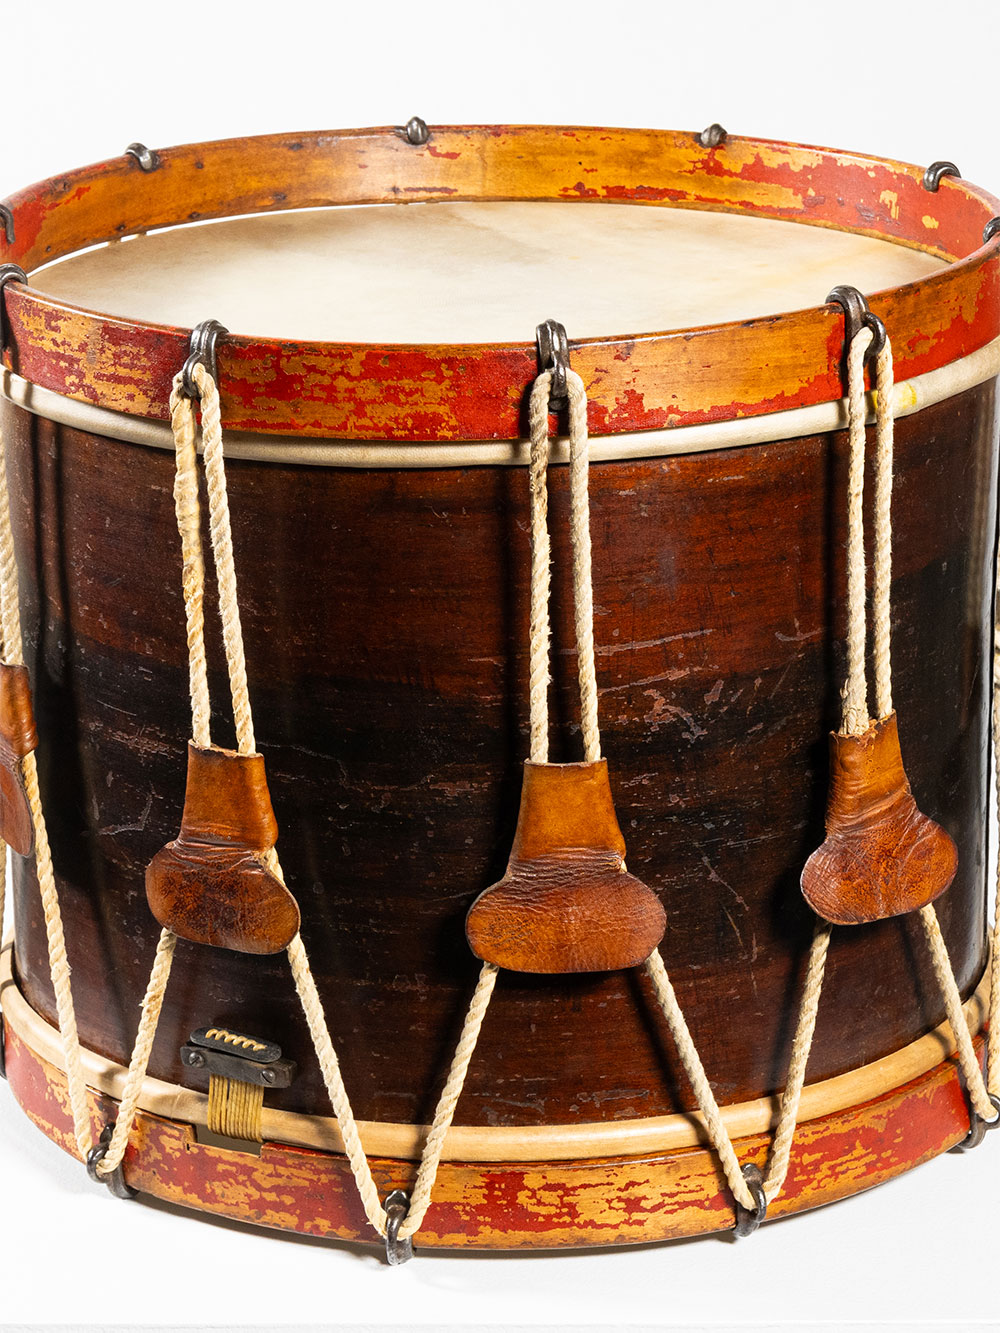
(909, 80)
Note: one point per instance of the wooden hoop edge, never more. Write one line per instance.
(514, 1205)
(473, 1143)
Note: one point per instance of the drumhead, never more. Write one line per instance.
(476, 272)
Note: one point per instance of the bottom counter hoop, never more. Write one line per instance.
(886, 1128)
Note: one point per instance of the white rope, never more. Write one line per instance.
(856, 719)
(430, 1158)
(583, 583)
(788, 1114)
(975, 1084)
(700, 1085)
(884, 426)
(152, 1004)
(538, 655)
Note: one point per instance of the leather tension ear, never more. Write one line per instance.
(881, 857)
(17, 739)
(566, 903)
(211, 884)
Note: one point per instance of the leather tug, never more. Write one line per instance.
(211, 884)
(17, 739)
(566, 903)
(881, 857)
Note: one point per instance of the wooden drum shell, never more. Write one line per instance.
(381, 533)
(384, 614)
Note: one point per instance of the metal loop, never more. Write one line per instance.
(8, 273)
(147, 159)
(415, 131)
(991, 229)
(934, 173)
(712, 136)
(748, 1220)
(201, 351)
(978, 1127)
(8, 223)
(115, 1180)
(857, 315)
(553, 354)
(397, 1251)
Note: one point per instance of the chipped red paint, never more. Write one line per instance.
(427, 393)
(514, 1205)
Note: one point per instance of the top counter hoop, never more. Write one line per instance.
(420, 392)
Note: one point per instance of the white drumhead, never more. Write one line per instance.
(474, 272)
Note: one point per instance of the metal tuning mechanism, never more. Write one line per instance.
(8, 273)
(857, 314)
(239, 1068)
(201, 352)
(553, 354)
(115, 1180)
(935, 173)
(147, 159)
(979, 1126)
(712, 136)
(747, 1220)
(415, 131)
(397, 1251)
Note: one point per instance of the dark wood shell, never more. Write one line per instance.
(385, 616)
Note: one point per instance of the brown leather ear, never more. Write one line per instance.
(17, 739)
(881, 857)
(566, 903)
(210, 885)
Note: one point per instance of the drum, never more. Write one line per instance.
(582, 1001)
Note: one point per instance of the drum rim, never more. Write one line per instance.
(422, 392)
(910, 396)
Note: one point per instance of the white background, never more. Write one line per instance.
(913, 81)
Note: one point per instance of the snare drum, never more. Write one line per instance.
(380, 292)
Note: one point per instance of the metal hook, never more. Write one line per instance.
(397, 1251)
(934, 173)
(8, 273)
(553, 354)
(991, 229)
(201, 351)
(712, 136)
(115, 1180)
(147, 159)
(978, 1127)
(415, 131)
(857, 315)
(748, 1220)
(8, 223)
